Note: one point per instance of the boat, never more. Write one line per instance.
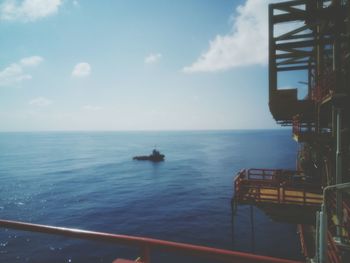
(156, 156)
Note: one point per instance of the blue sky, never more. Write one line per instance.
(133, 65)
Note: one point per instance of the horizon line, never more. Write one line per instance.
(147, 130)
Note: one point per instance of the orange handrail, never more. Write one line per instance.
(263, 174)
(146, 244)
(253, 180)
(281, 195)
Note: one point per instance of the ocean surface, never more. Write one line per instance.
(88, 180)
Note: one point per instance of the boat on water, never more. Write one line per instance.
(156, 156)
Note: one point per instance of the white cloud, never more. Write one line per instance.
(82, 69)
(246, 44)
(92, 108)
(31, 61)
(28, 10)
(153, 58)
(76, 3)
(40, 102)
(15, 73)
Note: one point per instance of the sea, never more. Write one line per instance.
(88, 180)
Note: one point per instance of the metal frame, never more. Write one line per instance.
(146, 244)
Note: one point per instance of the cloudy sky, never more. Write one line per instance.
(133, 65)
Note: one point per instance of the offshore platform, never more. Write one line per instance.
(311, 39)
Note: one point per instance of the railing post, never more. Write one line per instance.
(145, 254)
(279, 194)
(339, 169)
(323, 235)
(317, 237)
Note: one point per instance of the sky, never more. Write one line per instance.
(133, 65)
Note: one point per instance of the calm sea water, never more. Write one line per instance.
(88, 180)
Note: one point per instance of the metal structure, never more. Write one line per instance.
(310, 38)
(274, 186)
(146, 245)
